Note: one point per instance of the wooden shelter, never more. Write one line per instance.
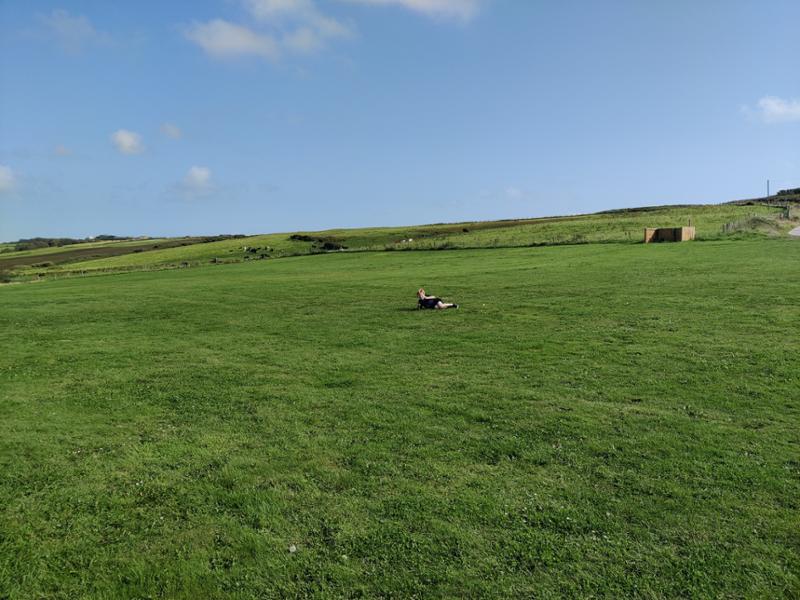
(668, 234)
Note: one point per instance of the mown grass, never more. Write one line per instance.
(599, 420)
(614, 226)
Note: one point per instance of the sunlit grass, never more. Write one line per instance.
(625, 226)
(614, 420)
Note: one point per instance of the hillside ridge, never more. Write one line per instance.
(773, 216)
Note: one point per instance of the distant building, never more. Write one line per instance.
(668, 234)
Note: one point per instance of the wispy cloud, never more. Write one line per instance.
(461, 10)
(303, 41)
(222, 39)
(278, 27)
(127, 142)
(301, 13)
(772, 109)
(72, 33)
(198, 178)
(7, 179)
(284, 27)
(197, 183)
(171, 131)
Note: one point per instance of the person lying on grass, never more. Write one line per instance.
(424, 301)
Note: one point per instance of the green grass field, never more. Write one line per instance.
(622, 226)
(600, 420)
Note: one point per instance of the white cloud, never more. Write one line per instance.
(197, 184)
(462, 10)
(302, 12)
(270, 9)
(303, 41)
(7, 179)
(279, 26)
(171, 131)
(777, 110)
(198, 179)
(72, 32)
(127, 142)
(222, 39)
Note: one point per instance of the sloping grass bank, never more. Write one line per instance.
(621, 226)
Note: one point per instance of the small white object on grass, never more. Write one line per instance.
(292, 549)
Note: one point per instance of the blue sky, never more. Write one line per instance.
(250, 116)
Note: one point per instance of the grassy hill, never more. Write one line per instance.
(611, 420)
(86, 250)
(49, 256)
(749, 218)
